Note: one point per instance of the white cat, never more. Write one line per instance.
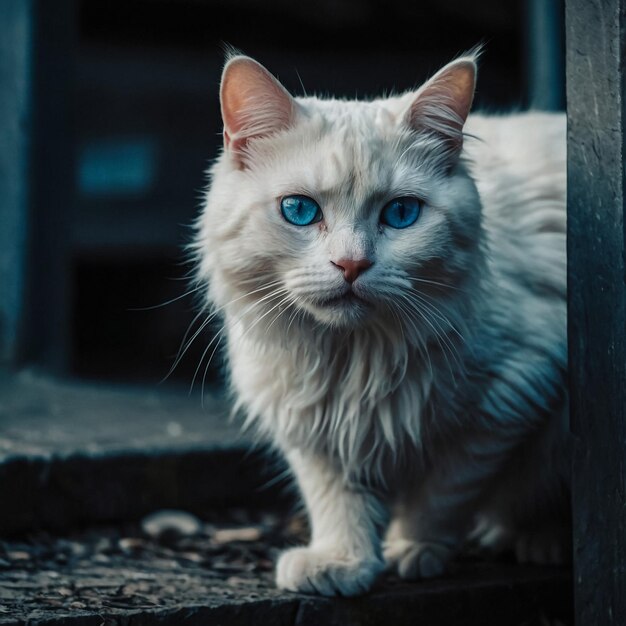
(392, 286)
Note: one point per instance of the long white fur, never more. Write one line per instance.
(441, 403)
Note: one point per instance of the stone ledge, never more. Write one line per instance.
(44, 418)
(79, 490)
(74, 454)
(222, 572)
(77, 453)
(475, 596)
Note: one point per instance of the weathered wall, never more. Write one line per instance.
(596, 52)
(15, 57)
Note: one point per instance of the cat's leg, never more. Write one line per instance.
(491, 537)
(344, 556)
(528, 512)
(406, 550)
(530, 506)
(546, 543)
(431, 524)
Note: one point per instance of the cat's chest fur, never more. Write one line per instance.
(358, 398)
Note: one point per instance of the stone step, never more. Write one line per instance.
(473, 598)
(76, 454)
(79, 453)
(223, 574)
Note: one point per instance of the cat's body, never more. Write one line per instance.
(432, 397)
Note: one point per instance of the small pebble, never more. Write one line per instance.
(168, 525)
(226, 535)
(101, 559)
(130, 544)
(78, 605)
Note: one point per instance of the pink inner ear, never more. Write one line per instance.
(254, 103)
(443, 104)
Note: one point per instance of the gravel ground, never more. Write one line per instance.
(173, 568)
(144, 566)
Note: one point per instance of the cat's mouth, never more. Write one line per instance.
(346, 299)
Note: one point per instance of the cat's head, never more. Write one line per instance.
(345, 211)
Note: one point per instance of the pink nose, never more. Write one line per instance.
(352, 267)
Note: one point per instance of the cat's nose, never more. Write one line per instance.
(352, 268)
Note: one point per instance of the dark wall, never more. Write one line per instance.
(147, 123)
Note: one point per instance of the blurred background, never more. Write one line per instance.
(109, 117)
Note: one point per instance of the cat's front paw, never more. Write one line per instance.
(413, 560)
(324, 571)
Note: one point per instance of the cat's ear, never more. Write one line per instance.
(442, 104)
(254, 104)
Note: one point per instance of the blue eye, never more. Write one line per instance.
(300, 210)
(401, 212)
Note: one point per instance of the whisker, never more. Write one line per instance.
(280, 312)
(186, 348)
(182, 343)
(436, 333)
(258, 320)
(273, 294)
(447, 347)
(158, 306)
(204, 353)
(213, 314)
(417, 333)
(397, 319)
(292, 317)
(437, 312)
(434, 282)
(206, 369)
